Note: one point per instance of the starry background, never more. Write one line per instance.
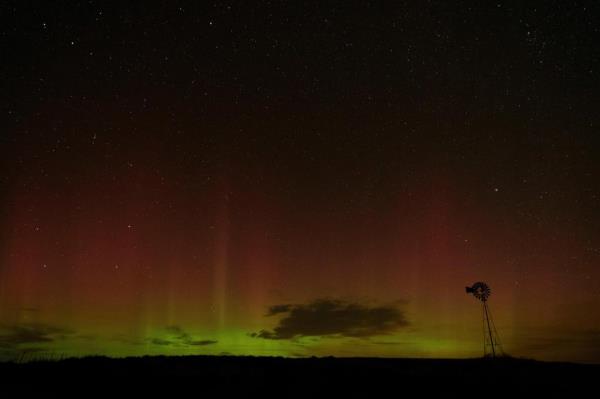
(299, 178)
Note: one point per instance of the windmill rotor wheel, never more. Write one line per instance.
(481, 291)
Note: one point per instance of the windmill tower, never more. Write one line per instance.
(492, 346)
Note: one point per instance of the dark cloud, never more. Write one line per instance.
(273, 310)
(177, 336)
(328, 317)
(159, 341)
(31, 333)
(202, 342)
(178, 333)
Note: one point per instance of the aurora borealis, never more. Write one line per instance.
(299, 179)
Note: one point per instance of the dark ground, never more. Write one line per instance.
(199, 376)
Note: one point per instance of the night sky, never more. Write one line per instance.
(299, 179)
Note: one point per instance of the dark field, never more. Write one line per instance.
(310, 377)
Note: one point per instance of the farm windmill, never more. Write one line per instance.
(491, 341)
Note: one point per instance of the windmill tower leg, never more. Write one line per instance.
(489, 328)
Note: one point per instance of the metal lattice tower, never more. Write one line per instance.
(492, 346)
